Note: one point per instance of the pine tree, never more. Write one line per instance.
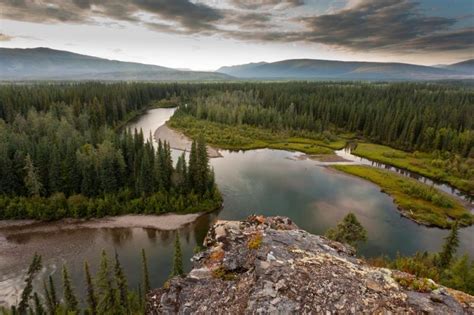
(47, 296)
(202, 166)
(33, 269)
(50, 295)
(193, 167)
(91, 295)
(32, 179)
(39, 310)
(106, 290)
(146, 277)
(70, 299)
(121, 281)
(177, 258)
(349, 231)
(450, 247)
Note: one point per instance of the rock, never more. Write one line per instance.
(288, 270)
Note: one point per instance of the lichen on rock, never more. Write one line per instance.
(269, 265)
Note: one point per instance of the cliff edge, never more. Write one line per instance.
(269, 265)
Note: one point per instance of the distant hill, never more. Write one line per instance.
(328, 69)
(466, 66)
(49, 64)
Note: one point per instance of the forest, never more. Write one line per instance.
(63, 154)
(64, 151)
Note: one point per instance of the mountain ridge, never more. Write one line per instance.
(42, 63)
(334, 69)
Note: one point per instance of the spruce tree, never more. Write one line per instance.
(348, 231)
(202, 166)
(32, 179)
(39, 310)
(450, 247)
(50, 295)
(146, 277)
(91, 295)
(177, 258)
(47, 296)
(106, 291)
(193, 167)
(33, 269)
(121, 282)
(70, 299)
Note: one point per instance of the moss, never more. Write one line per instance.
(417, 201)
(255, 241)
(223, 274)
(416, 284)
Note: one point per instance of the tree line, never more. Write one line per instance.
(408, 116)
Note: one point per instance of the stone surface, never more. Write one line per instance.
(269, 265)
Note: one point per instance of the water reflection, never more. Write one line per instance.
(272, 182)
(74, 246)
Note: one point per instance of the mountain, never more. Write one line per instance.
(49, 64)
(466, 66)
(345, 70)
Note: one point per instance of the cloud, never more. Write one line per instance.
(374, 24)
(5, 37)
(391, 25)
(256, 4)
(193, 17)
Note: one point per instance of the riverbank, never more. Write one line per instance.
(414, 200)
(245, 137)
(424, 164)
(178, 141)
(167, 221)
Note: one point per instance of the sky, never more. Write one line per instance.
(208, 34)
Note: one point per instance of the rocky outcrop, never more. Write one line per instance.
(269, 265)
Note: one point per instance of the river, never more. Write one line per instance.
(268, 182)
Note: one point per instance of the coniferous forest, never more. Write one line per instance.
(62, 154)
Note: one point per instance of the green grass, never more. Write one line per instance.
(415, 200)
(244, 137)
(458, 174)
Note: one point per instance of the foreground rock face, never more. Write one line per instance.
(269, 265)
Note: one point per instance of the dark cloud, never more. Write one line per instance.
(392, 25)
(374, 24)
(194, 17)
(252, 21)
(255, 4)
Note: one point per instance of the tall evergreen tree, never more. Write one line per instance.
(450, 247)
(348, 231)
(32, 179)
(177, 258)
(121, 282)
(91, 294)
(146, 277)
(106, 290)
(33, 269)
(70, 299)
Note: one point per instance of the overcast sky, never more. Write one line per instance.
(208, 34)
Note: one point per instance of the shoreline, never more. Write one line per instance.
(165, 222)
(407, 213)
(178, 141)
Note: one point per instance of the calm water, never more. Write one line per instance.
(268, 182)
